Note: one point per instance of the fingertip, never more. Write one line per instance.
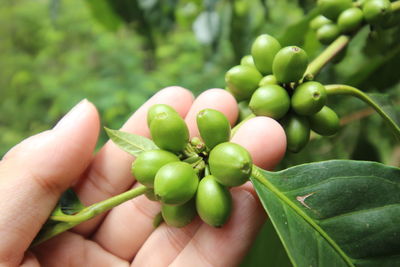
(265, 139)
(217, 99)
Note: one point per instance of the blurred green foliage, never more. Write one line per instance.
(117, 53)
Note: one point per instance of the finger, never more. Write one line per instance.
(247, 214)
(128, 222)
(36, 172)
(265, 139)
(218, 99)
(109, 174)
(70, 249)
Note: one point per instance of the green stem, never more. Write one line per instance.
(327, 55)
(69, 221)
(341, 89)
(256, 174)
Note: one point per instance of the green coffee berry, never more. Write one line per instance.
(158, 109)
(350, 19)
(213, 202)
(325, 122)
(263, 51)
(332, 8)
(318, 22)
(247, 61)
(242, 81)
(328, 33)
(244, 110)
(213, 126)
(269, 79)
(297, 130)
(169, 132)
(147, 164)
(270, 100)
(308, 98)
(230, 163)
(289, 64)
(179, 215)
(377, 12)
(175, 183)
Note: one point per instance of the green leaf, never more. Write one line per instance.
(69, 203)
(103, 13)
(335, 213)
(131, 143)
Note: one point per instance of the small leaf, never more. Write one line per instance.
(131, 143)
(335, 213)
(69, 202)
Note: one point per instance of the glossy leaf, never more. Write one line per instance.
(335, 213)
(131, 143)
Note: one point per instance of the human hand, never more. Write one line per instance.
(36, 171)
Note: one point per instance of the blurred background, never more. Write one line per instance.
(117, 53)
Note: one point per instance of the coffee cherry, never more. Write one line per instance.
(247, 61)
(244, 110)
(263, 51)
(213, 202)
(270, 100)
(147, 164)
(377, 12)
(308, 98)
(328, 33)
(230, 163)
(325, 122)
(332, 8)
(213, 126)
(350, 20)
(175, 183)
(269, 79)
(318, 22)
(179, 215)
(289, 64)
(297, 130)
(158, 109)
(242, 81)
(169, 132)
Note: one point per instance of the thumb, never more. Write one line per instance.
(35, 173)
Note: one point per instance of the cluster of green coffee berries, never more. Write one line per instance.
(345, 17)
(191, 178)
(282, 93)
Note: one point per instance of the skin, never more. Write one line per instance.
(64, 156)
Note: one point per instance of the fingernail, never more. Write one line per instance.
(73, 115)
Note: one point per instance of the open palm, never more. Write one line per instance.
(35, 172)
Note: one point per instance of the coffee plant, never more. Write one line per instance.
(329, 213)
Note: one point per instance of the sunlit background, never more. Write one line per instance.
(117, 53)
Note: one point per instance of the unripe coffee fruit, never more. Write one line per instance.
(175, 183)
(158, 109)
(147, 164)
(179, 215)
(328, 33)
(263, 50)
(247, 61)
(242, 81)
(213, 126)
(325, 122)
(213, 202)
(270, 100)
(350, 19)
(377, 12)
(318, 22)
(269, 79)
(289, 64)
(332, 8)
(230, 164)
(297, 130)
(308, 98)
(169, 132)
